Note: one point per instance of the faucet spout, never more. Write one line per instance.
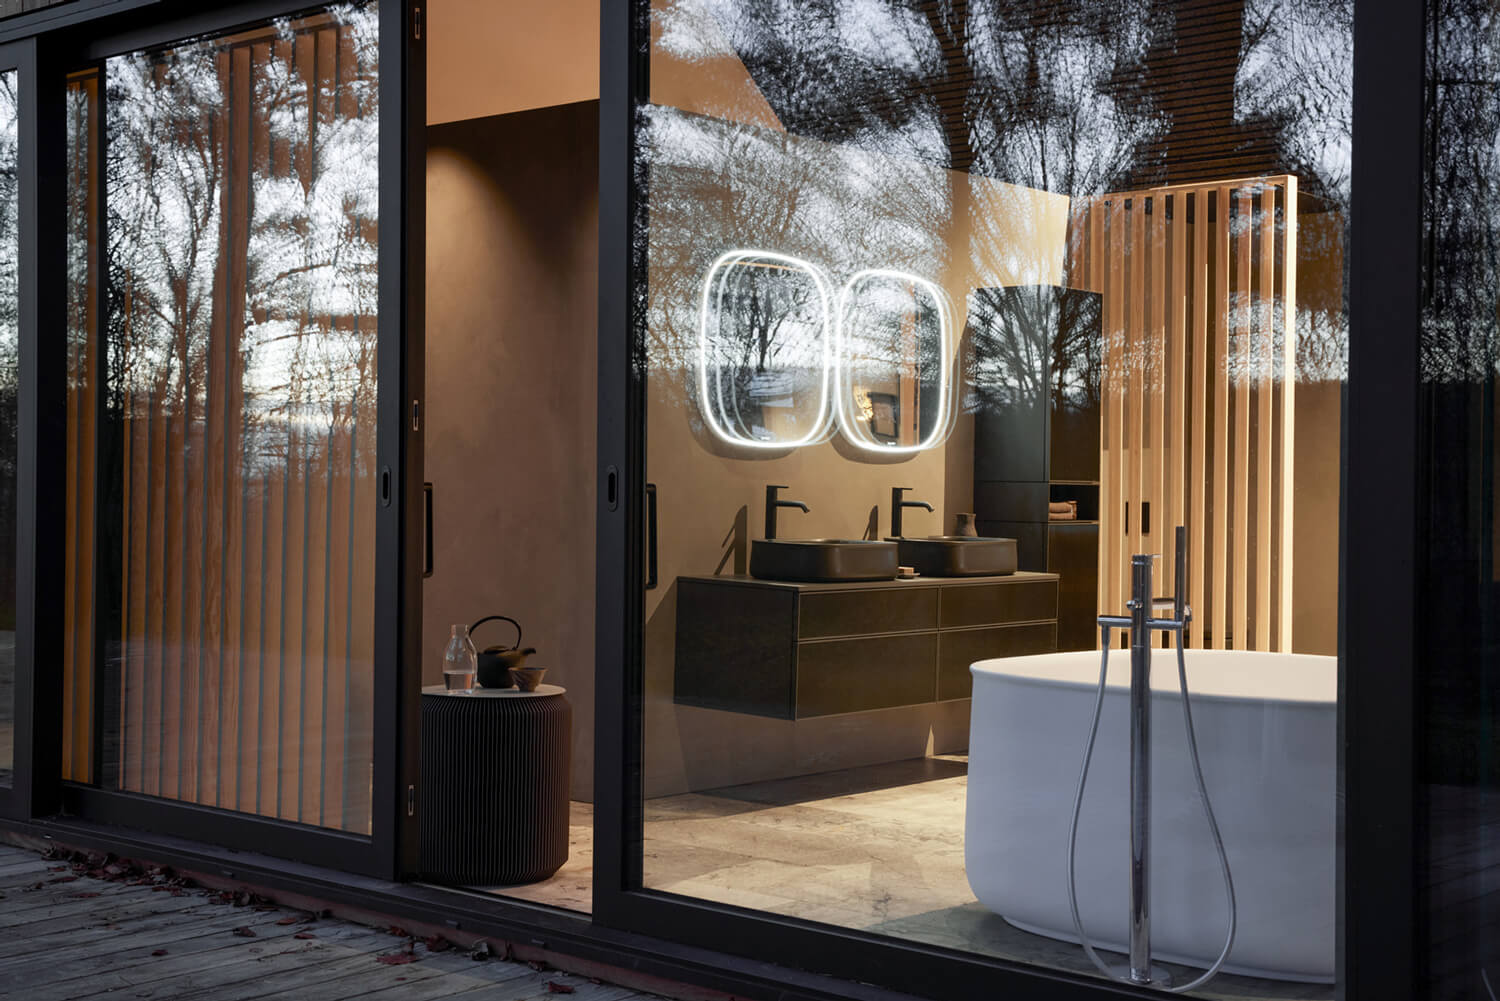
(774, 503)
(899, 504)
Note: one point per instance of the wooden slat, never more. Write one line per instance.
(1178, 278)
(1136, 403)
(153, 743)
(1114, 262)
(1200, 359)
(335, 657)
(1266, 472)
(293, 604)
(1153, 365)
(174, 657)
(1243, 360)
(360, 700)
(1287, 425)
(1219, 514)
(315, 630)
(273, 601)
(133, 674)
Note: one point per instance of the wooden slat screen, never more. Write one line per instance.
(1199, 287)
(240, 410)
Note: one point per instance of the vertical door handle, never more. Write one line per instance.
(1145, 517)
(650, 536)
(1127, 517)
(426, 530)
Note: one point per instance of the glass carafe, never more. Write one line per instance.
(460, 661)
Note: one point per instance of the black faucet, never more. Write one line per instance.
(898, 504)
(772, 503)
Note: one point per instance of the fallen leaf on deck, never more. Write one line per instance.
(244, 931)
(290, 919)
(304, 934)
(396, 958)
(557, 988)
(437, 944)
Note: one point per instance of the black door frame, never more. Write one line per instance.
(87, 33)
(39, 581)
(1377, 583)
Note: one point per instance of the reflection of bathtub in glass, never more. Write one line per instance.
(1266, 728)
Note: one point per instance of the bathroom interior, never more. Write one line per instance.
(872, 312)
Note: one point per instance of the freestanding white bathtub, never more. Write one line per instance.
(1266, 727)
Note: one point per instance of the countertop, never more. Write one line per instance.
(1020, 576)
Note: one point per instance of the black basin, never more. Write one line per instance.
(817, 560)
(959, 556)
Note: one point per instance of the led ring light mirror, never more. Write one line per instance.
(763, 350)
(893, 391)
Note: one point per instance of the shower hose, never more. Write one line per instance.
(1208, 811)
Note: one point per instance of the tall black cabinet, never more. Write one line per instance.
(1035, 372)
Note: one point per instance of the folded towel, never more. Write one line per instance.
(1062, 515)
(1068, 507)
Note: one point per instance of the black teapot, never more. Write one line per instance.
(496, 661)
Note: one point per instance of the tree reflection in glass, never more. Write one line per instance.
(9, 383)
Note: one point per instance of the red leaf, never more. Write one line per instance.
(304, 934)
(158, 952)
(290, 919)
(556, 988)
(437, 944)
(398, 931)
(243, 931)
(396, 958)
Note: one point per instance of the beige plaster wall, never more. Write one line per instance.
(512, 279)
(493, 57)
(1318, 411)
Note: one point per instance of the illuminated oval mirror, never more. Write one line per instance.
(764, 350)
(894, 362)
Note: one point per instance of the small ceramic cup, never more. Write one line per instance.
(527, 678)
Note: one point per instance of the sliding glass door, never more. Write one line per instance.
(233, 454)
(940, 316)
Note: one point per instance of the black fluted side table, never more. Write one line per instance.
(494, 796)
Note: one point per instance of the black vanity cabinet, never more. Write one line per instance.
(796, 651)
(1036, 382)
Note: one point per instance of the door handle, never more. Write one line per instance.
(1127, 517)
(650, 536)
(1145, 517)
(426, 530)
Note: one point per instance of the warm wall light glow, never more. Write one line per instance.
(853, 418)
(713, 299)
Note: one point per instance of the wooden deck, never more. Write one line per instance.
(73, 928)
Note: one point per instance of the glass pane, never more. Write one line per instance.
(1459, 678)
(237, 415)
(10, 373)
(82, 104)
(1086, 266)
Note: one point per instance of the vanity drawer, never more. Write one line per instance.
(860, 613)
(875, 672)
(961, 648)
(987, 604)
